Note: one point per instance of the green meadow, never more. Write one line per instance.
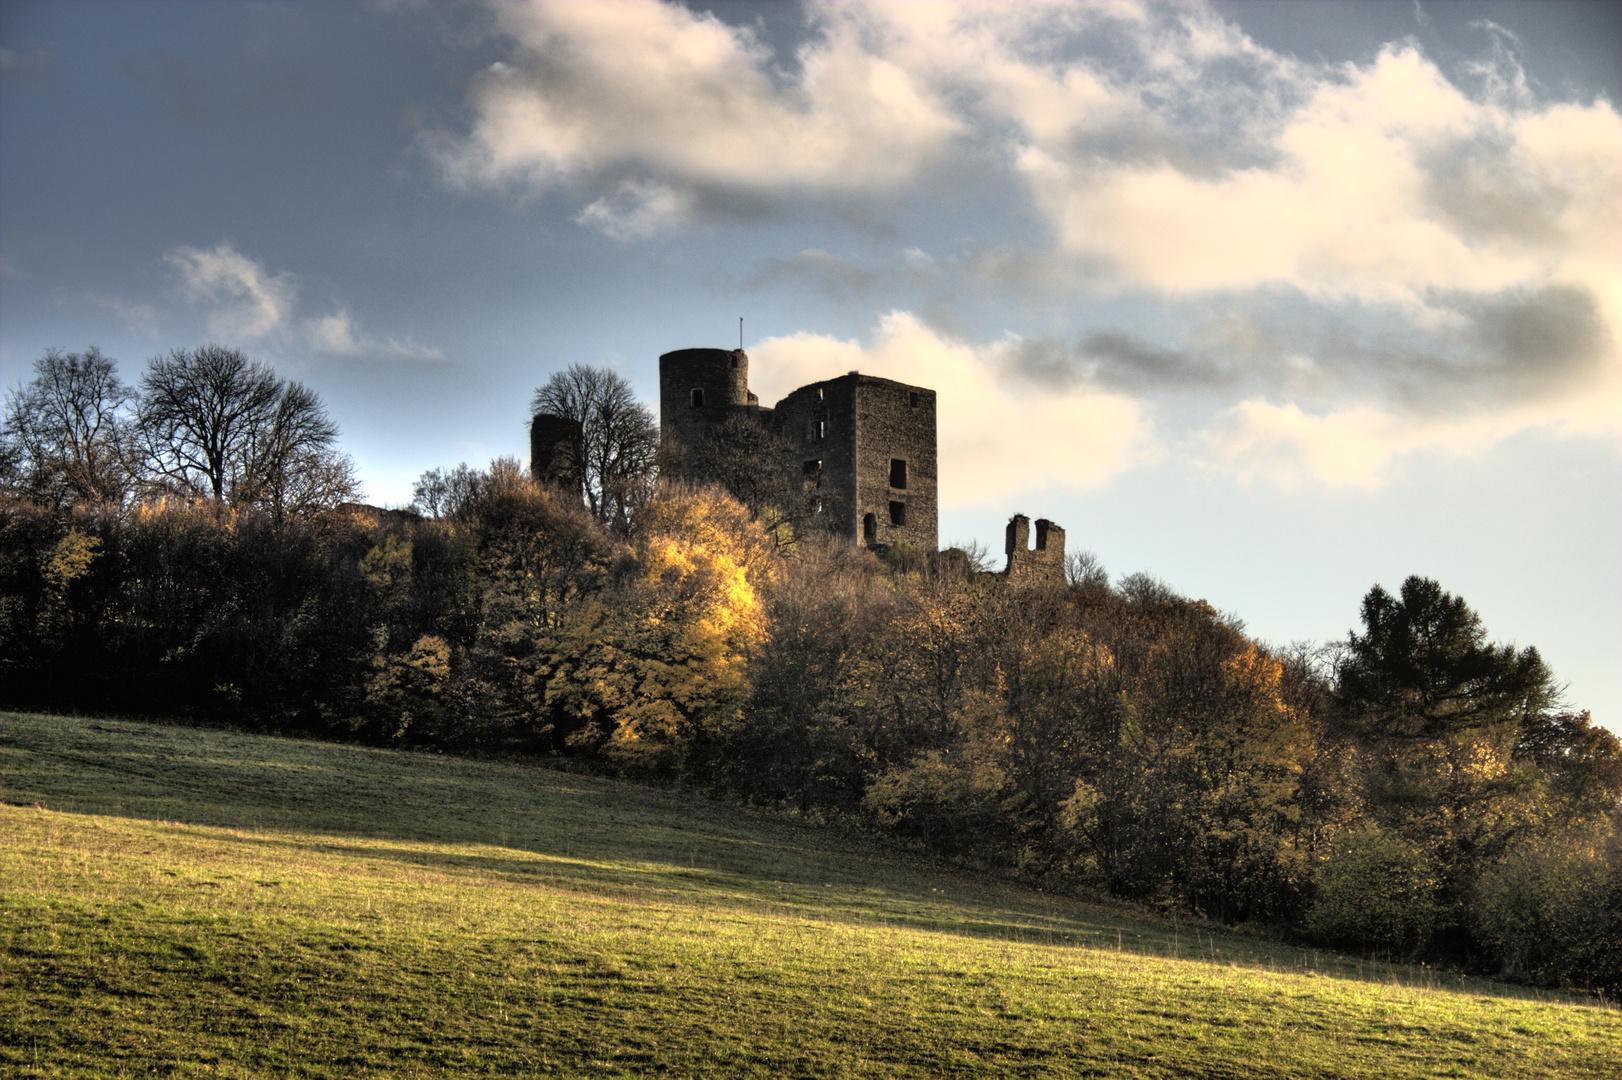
(186, 902)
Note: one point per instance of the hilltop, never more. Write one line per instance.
(189, 901)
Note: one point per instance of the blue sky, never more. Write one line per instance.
(1271, 300)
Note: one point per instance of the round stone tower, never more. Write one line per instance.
(700, 388)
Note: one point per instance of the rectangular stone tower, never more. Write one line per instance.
(867, 451)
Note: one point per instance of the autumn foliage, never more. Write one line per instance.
(1416, 791)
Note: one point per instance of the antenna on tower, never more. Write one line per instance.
(740, 333)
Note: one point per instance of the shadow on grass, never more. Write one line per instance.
(530, 825)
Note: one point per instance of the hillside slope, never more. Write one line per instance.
(185, 901)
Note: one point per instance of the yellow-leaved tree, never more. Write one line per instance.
(655, 669)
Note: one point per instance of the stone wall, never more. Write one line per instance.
(863, 448)
(1043, 564)
(554, 451)
(819, 422)
(699, 389)
(896, 463)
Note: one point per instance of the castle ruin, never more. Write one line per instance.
(1042, 564)
(861, 448)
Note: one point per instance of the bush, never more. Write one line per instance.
(1376, 893)
(1552, 911)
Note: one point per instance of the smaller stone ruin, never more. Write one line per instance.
(1041, 565)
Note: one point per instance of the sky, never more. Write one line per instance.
(1273, 301)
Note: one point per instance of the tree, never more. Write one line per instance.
(215, 424)
(1439, 712)
(66, 432)
(295, 468)
(1423, 667)
(749, 461)
(619, 440)
(445, 493)
(654, 673)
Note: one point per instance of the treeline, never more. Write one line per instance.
(1415, 791)
(205, 423)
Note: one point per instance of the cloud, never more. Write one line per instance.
(248, 302)
(1539, 344)
(661, 103)
(1355, 447)
(1359, 260)
(337, 336)
(1164, 149)
(639, 210)
(12, 270)
(37, 65)
(996, 438)
(1389, 183)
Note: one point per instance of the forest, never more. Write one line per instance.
(191, 548)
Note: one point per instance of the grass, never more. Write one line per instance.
(184, 902)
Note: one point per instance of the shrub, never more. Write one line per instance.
(1377, 893)
(1552, 911)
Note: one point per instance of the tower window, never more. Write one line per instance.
(898, 513)
(820, 429)
(898, 473)
(912, 399)
(819, 393)
(870, 528)
(697, 397)
(813, 474)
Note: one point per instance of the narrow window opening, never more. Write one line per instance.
(898, 513)
(898, 474)
(813, 474)
(821, 429)
(698, 397)
(870, 528)
(912, 399)
(816, 505)
(819, 393)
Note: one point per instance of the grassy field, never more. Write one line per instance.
(184, 902)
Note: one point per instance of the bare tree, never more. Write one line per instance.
(750, 461)
(215, 424)
(445, 493)
(296, 467)
(65, 432)
(619, 440)
(1084, 570)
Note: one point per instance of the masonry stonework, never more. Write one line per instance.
(555, 449)
(1043, 564)
(699, 389)
(861, 448)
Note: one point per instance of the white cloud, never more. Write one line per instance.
(247, 302)
(336, 335)
(996, 438)
(141, 318)
(640, 209)
(1168, 155)
(1389, 183)
(655, 94)
(1360, 446)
